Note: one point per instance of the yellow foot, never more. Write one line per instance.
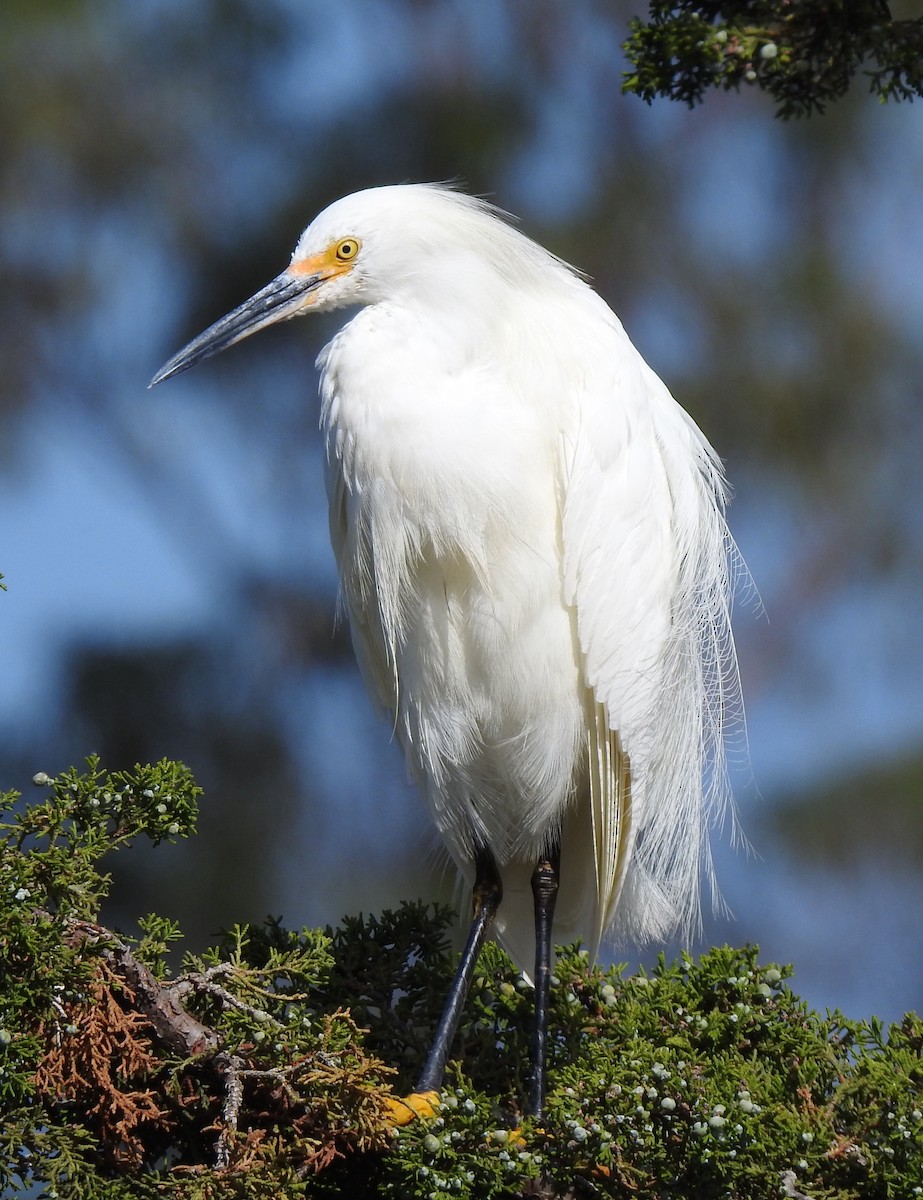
(421, 1106)
(515, 1139)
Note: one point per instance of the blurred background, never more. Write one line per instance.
(171, 590)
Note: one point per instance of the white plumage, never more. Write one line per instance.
(534, 559)
(533, 553)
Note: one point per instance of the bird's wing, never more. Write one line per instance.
(645, 566)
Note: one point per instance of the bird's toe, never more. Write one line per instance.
(422, 1106)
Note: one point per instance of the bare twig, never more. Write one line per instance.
(204, 981)
(230, 1111)
(789, 1180)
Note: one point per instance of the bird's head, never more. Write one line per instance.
(327, 270)
(370, 246)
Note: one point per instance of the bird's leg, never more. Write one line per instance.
(486, 897)
(545, 880)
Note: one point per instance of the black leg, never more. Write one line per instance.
(486, 897)
(545, 879)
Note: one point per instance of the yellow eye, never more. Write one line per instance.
(347, 249)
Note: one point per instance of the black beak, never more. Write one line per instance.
(278, 301)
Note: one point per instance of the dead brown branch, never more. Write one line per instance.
(96, 1059)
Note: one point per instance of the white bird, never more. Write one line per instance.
(534, 558)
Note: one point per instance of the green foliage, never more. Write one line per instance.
(803, 55)
(51, 850)
(706, 1078)
(392, 973)
(50, 877)
(263, 1068)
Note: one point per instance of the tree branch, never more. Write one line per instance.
(176, 1029)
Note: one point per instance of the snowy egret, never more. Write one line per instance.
(531, 542)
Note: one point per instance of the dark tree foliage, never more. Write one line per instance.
(802, 54)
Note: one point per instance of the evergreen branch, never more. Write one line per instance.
(247, 1076)
(802, 55)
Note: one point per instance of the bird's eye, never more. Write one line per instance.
(347, 249)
